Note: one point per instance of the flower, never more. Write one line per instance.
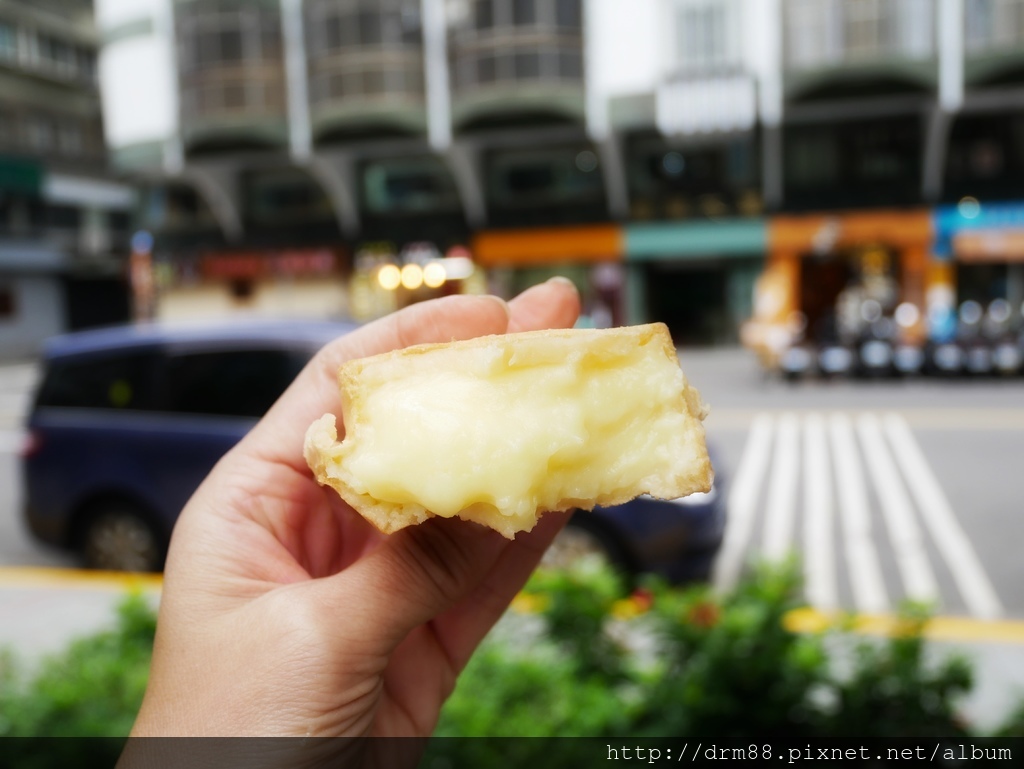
(529, 603)
(703, 614)
(638, 602)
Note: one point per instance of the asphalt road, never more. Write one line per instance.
(884, 490)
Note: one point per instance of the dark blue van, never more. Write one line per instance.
(128, 421)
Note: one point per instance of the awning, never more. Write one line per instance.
(549, 245)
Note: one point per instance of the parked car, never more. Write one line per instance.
(128, 421)
(676, 539)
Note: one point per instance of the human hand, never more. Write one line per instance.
(285, 613)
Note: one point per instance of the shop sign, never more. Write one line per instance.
(989, 245)
(250, 266)
(980, 229)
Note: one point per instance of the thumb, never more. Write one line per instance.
(415, 575)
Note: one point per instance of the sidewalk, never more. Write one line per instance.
(42, 609)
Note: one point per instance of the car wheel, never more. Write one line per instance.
(580, 541)
(122, 539)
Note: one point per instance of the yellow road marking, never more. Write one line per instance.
(81, 579)
(957, 629)
(804, 620)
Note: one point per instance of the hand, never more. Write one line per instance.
(285, 613)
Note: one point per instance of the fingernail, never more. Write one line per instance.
(499, 300)
(562, 280)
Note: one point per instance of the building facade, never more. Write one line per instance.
(63, 221)
(669, 155)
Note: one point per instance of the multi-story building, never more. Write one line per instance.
(63, 222)
(660, 152)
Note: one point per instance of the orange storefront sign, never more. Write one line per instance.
(803, 234)
(549, 245)
(989, 246)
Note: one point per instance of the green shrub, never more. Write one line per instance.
(93, 689)
(668, 662)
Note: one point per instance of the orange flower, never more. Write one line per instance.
(643, 597)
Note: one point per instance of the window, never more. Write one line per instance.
(8, 128)
(122, 382)
(569, 14)
(484, 14)
(524, 12)
(7, 305)
(8, 41)
(705, 35)
(230, 42)
(239, 383)
(369, 26)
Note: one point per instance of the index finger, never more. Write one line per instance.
(280, 433)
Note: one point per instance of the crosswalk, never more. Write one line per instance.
(854, 496)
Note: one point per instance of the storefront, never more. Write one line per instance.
(301, 283)
(980, 250)
(826, 275)
(696, 277)
(589, 256)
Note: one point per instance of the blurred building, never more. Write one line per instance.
(293, 154)
(899, 158)
(63, 221)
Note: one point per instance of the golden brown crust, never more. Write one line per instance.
(692, 472)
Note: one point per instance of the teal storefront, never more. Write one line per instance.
(696, 277)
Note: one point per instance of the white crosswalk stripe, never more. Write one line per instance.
(951, 540)
(743, 502)
(855, 472)
(819, 514)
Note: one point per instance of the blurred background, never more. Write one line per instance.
(822, 191)
(700, 162)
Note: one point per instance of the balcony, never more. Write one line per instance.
(231, 74)
(993, 41)
(707, 88)
(365, 66)
(515, 58)
(888, 45)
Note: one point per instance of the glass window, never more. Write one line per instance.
(8, 41)
(370, 31)
(524, 12)
(231, 45)
(569, 14)
(484, 14)
(411, 24)
(7, 304)
(122, 382)
(239, 383)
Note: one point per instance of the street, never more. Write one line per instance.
(885, 490)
